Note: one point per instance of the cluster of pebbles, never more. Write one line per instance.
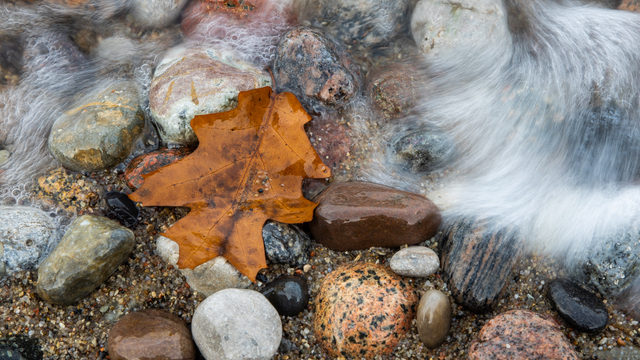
(374, 275)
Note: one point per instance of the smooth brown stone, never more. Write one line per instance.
(359, 215)
(477, 262)
(521, 334)
(150, 334)
(433, 318)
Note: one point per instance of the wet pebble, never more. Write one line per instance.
(416, 261)
(150, 334)
(394, 91)
(90, 251)
(190, 82)
(123, 208)
(367, 23)
(362, 310)
(442, 27)
(99, 131)
(27, 235)
(20, 348)
(285, 244)
(212, 276)
(155, 13)
(236, 324)
(146, 163)
(433, 318)
(315, 69)
(289, 294)
(618, 353)
(521, 334)
(581, 309)
(423, 151)
(358, 215)
(477, 263)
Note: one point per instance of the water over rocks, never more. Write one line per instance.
(358, 215)
(90, 251)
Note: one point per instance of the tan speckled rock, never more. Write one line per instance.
(433, 318)
(151, 334)
(362, 310)
(87, 255)
(521, 334)
(190, 82)
(98, 131)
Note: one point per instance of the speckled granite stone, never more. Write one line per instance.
(363, 310)
(521, 334)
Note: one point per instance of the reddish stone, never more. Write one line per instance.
(521, 334)
(146, 163)
(331, 139)
(394, 90)
(358, 215)
(362, 311)
(150, 334)
(630, 5)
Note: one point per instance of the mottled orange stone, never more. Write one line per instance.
(363, 310)
(630, 5)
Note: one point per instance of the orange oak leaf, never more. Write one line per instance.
(248, 168)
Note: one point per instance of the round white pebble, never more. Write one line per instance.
(415, 261)
(236, 324)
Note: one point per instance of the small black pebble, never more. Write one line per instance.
(581, 309)
(262, 278)
(289, 294)
(122, 208)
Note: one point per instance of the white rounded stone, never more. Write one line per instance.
(235, 324)
(439, 27)
(415, 261)
(214, 275)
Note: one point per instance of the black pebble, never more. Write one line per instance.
(289, 294)
(122, 208)
(581, 309)
(20, 348)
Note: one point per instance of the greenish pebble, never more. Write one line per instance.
(87, 255)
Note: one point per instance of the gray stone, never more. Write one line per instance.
(365, 23)
(190, 82)
(99, 130)
(87, 255)
(433, 318)
(214, 275)
(416, 261)
(618, 353)
(423, 151)
(612, 265)
(155, 13)
(441, 26)
(26, 237)
(236, 324)
(4, 156)
(286, 244)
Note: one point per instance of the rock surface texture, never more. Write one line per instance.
(236, 324)
(433, 318)
(98, 132)
(155, 13)
(423, 151)
(285, 244)
(581, 309)
(151, 334)
(477, 263)
(395, 91)
(315, 69)
(440, 27)
(416, 261)
(27, 235)
(214, 275)
(358, 215)
(362, 310)
(521, 334)
(190, 82)
(87, 255)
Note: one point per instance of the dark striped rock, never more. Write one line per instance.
(521, 334)
(146, 163)
(362, 310)
(358, 215)
(477, 263)
(151, 334)
(630, 5)
(315, 69)
(581, 309)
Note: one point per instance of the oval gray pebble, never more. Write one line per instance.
(433, 318)
(415, 261)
